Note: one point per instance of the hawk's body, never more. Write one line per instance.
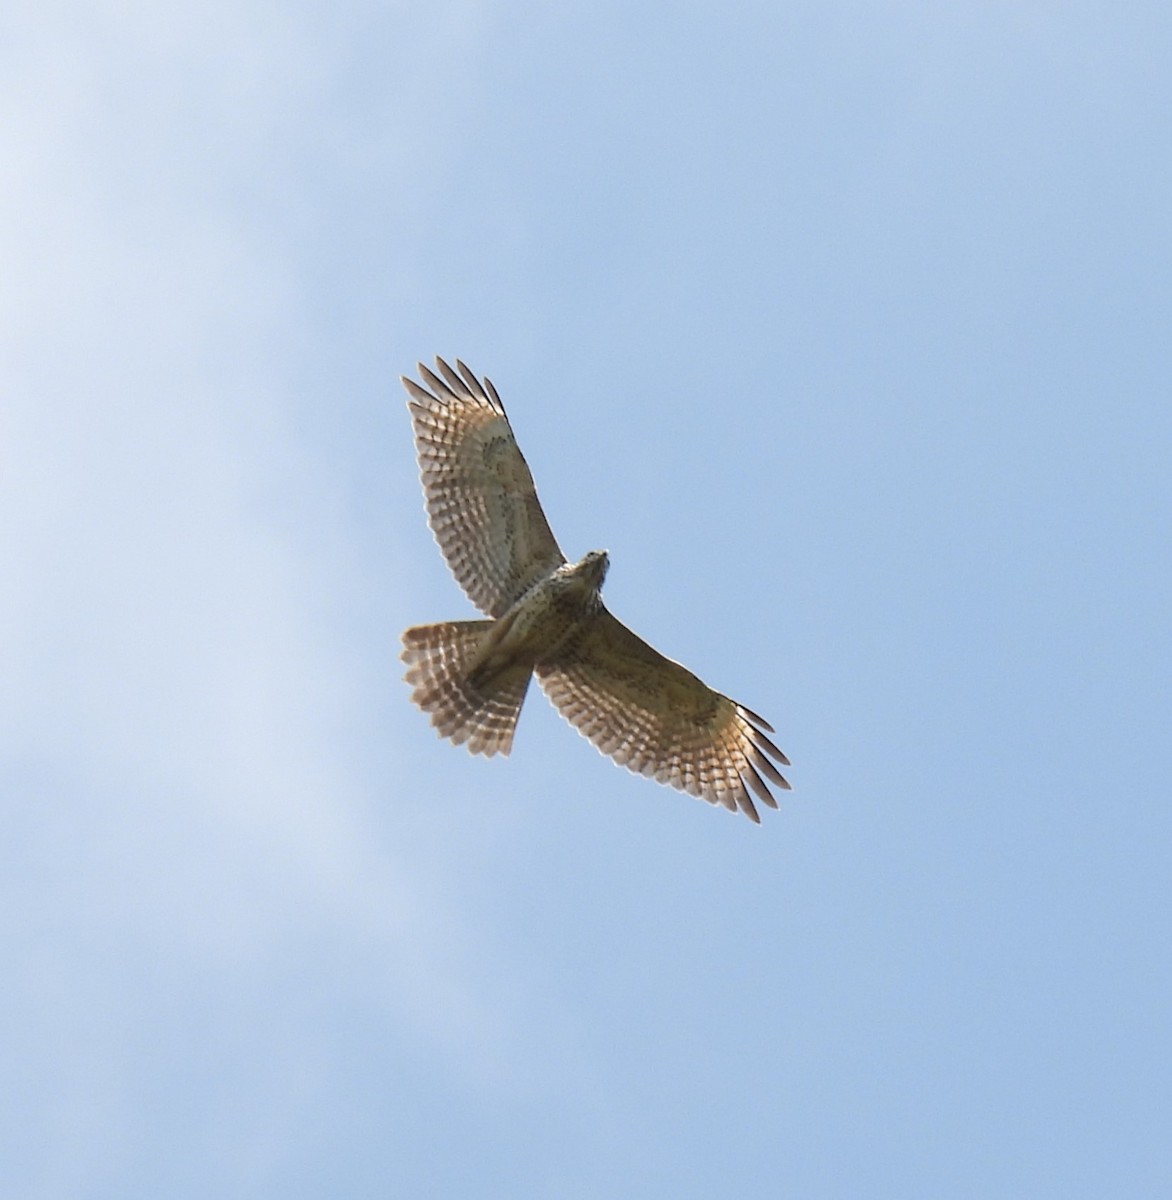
(644, 710)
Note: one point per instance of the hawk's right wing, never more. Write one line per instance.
(654, 717)
(481, 502)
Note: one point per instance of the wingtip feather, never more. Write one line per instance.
(758, 785)
(745, 804)
(763, 743)
(756, 718)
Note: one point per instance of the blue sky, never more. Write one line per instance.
(844, 327)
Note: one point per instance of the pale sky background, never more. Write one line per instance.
(847, 328)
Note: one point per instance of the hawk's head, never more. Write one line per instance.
(593, 567)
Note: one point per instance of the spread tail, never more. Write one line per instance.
(438, 658)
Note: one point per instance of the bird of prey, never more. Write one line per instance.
(546, 618)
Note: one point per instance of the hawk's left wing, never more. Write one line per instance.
(654, 717)
(481, 502)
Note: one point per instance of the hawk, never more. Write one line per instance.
(546, 618)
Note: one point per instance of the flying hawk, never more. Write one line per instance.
(547, 618)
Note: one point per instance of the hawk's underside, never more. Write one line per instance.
(645, 711)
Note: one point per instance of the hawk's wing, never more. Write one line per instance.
(481, 503)
(654, 717)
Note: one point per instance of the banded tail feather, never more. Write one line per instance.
(439, 659)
